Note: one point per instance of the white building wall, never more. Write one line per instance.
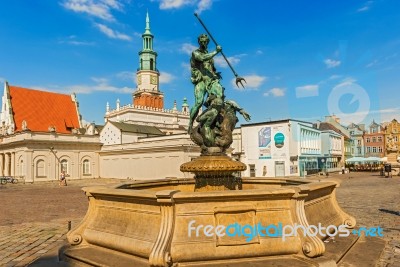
(266, 156)
(110, 135)
(152, 165)
(127, 138)
(236, 141)
(310, 141)
(162, 118)
(49, 150)
(149, 158)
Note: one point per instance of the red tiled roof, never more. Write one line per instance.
(43, 109)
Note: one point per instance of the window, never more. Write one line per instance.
(380, 149)
(359, 142)
(374, 139)
(359, 150)
(379, 138)
(86, 167)
(374, 149)
(368, 140)
(151, 64)
(395, 138)
(21, 168)
(368, 149)
(64, 165)
(252, 168)
(40, 168)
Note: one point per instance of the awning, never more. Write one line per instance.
(373, 159)
(356, 159)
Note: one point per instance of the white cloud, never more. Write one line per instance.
(100, 9)
(201, 5)
(275, 92)
(101, 84)
(188, 48)
(347, 81)
(384, 115)
(334, 77)
(221, 62)
(389, 114)
(169, 4)
(372, 63)
(111, 33)
(307, 91)
(366, 6)
(186, 66)
(99, 80)
(259, 52)
(114, 4)
(126, 76)
(72, 40)
(78, 43)
(252, 81)
(166, 77)
(331, 63)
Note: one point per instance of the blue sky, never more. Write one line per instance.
(301, 59)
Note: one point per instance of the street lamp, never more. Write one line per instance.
(56, 161)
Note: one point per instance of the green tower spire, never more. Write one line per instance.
(147, 93)
(147, 56)
(147, 29)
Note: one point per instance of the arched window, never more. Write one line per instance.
(64, 165)
(151, 64)
(21, 168)
(86, 167)
(40, 168)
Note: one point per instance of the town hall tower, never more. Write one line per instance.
(148, 93)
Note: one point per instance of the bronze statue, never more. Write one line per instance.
(204, 76)
(216, 123)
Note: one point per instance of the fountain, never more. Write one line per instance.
(169, 222)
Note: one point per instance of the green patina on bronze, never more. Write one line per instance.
(217, 121)
(213, 170)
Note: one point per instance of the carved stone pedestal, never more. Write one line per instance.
(147, 223)
(215, 173)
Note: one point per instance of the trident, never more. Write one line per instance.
(238, 78)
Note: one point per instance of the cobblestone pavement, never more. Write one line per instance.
(374, 201)
(21, 244)
(34, 217)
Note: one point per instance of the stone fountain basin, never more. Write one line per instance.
(145, 223)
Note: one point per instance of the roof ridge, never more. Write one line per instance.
(38, 90)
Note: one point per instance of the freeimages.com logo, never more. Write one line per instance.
(277, 230)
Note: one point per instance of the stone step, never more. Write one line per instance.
(365, 252)
(336, 248)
